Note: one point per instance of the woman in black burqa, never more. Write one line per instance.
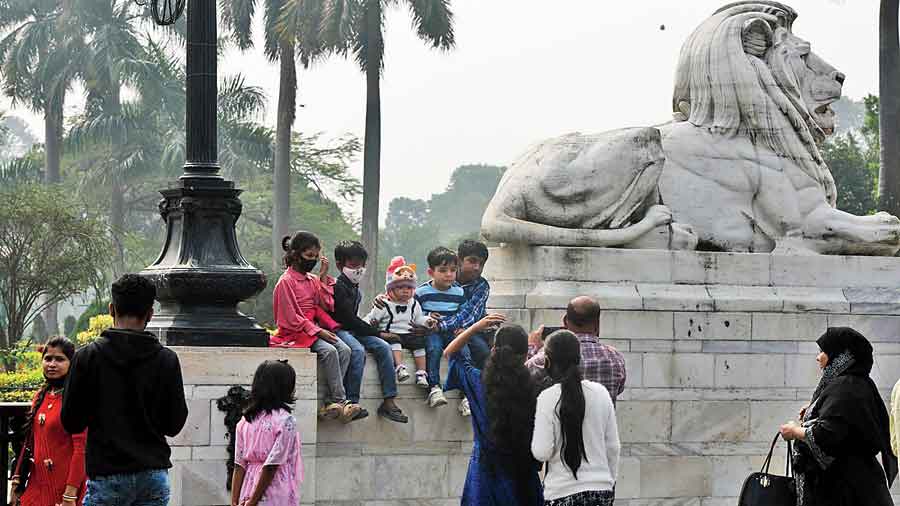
(843, 430)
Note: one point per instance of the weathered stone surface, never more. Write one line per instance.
(805, 299)
(557, 294)
(644, 422)
(408, 477)
(636, 325)
(196, 429)
(718, 421)
(745, 298)
(767, 416)
(705, 268)
(788, 327)
(720, 326)
(669, 297)
(628, 485)
(873, 300)
(675, 477)
(749, 371)
(876, 328)
(678, 370)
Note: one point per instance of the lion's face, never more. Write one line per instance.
(819, 83)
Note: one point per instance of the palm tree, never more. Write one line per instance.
(39, 59)
(284, 43)
(889, 108)
(357, 27)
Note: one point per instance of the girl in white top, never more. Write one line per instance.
(575, 431)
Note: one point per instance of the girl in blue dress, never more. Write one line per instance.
(502, 471)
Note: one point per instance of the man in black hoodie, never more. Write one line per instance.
(125, 388)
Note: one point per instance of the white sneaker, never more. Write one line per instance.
(464, 409)
(422, 379)
(402, 373)
(436, 397)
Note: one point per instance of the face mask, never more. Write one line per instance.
(308, 265)
(354, 275)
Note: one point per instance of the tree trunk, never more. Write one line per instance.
(372, 143)
(889, 108)
(53, 133)
(287, 104)
(117, 187)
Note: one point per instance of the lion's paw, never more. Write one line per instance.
(683, 237)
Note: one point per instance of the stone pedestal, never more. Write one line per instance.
(720, 348)
(371, 461)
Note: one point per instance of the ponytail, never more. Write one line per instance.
(571, 419)
(564, 356)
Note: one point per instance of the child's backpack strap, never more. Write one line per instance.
(390, 313)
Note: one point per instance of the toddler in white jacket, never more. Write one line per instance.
(401, 310)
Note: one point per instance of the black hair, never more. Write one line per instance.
(442, 256)
(273, 388)
(511, 403)
(133, 295)
(563, 352)
(349, 250)
(68, 349)
(470, 248)
(296, 245)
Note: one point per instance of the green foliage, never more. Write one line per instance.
(97, 325)
(854, 176)
(97, 307)
(20, 386)
(50, 249)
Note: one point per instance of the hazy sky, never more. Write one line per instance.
(524, 70)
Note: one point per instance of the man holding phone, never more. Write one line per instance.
(599, 362)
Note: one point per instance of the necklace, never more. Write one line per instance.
(54, 393)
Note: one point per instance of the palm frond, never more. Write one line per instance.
(433, 22)
(238, 101)
(26, 169)
(237, 16)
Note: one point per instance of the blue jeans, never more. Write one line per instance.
(478, 346)
(144, 488)
(434, 352)
(383, 357)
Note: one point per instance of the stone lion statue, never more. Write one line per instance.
(738, 169)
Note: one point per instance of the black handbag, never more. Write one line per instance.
(764, 489)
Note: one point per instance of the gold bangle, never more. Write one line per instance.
(69, 498)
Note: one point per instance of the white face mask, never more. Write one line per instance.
(354, 275)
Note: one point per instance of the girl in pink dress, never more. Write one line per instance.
(269, 468)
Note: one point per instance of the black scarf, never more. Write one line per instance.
(843, 341)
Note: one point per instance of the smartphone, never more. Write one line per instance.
(548, 331)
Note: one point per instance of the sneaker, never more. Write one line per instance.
(331, 411)
(402, 373)
(394, 415)
(464, 409)
(436, 397)
(422, 379)
(349, 411)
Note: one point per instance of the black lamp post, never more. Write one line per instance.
(200, 275)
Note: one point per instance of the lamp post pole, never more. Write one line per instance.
(200, 275)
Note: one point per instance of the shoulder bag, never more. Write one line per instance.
(764, 489)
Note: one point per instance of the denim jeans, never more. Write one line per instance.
(144, 488)
(434, 352)
(383, 358)
(480, 349)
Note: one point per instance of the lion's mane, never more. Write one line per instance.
(728, 81)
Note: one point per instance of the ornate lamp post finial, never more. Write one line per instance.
(164, 12)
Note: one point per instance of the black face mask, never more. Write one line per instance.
(307, 265)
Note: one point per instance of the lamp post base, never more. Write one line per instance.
(200, 275)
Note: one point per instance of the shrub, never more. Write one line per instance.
(20, 386)
(96, 327)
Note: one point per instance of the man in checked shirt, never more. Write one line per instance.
(599, 362)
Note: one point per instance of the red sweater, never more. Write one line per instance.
(52, 443)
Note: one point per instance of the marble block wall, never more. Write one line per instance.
(720, 348)
(370, 461)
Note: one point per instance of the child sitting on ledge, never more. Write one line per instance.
(395, 319)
